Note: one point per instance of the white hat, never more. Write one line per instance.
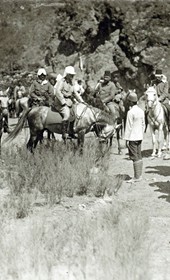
(69, 70)
(41, 71)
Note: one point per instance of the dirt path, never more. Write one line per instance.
(153, 196)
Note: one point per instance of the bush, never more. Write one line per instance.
(51, 174)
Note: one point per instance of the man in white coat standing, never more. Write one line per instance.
(134, 131)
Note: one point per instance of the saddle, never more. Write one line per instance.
(55, 116)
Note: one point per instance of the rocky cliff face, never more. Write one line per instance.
(128, 37)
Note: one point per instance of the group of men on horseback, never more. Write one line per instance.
(65, 92)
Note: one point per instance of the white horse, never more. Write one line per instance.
(157, 120)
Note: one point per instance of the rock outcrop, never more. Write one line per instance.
(127, 37)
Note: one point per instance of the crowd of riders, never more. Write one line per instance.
(62, 90)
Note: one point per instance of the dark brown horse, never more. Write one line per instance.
(84, 118)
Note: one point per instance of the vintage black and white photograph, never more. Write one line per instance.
(84, 140)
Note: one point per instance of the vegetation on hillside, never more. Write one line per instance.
(129, 37)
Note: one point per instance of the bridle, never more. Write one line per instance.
(79, 117)
(154, 104)
(95, 115)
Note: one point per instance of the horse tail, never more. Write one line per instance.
(13, 134)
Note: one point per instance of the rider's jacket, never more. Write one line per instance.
(41, 92)
(162, 91)
(107, 91)
(162, 88)
(65, 93)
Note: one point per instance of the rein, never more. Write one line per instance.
(154, 119)
(78, 118)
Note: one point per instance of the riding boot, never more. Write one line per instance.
(64, 129)
(71, 130)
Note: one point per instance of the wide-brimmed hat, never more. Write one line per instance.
(41, 71)
(69, 70)
(158, 72)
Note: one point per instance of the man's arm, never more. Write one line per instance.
(51, 90)
(32, 91)
(77, 95)
(58, 92)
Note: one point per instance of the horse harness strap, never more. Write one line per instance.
(78, 118)
(154, 120)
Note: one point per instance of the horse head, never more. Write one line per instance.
(151, 97)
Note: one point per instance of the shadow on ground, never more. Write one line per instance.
(160, 170)
(146, 153)
(163, 187)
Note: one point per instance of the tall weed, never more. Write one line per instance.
(50, 174)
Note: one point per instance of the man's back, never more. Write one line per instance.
(135, 124)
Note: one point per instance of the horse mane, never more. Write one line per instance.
(105, 117)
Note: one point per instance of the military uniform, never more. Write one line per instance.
(41, 93)
(107, 92)
(64, 97)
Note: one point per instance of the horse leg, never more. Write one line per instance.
(153, 141)
(50, 135)
(111, 141)
(0, 140)
(80, 141)
(166, 140)
(32, 143)
(118, 141)
(160, 140)
(17, 108)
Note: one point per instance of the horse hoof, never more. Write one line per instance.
(153, 155)
(159, 155)
(166, 157)
(164, 148)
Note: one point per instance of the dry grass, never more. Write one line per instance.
(95, 240)
(51, 174)
(101, 243)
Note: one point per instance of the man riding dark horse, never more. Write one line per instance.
(65, 96)
(41, 91)
(110, 95)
